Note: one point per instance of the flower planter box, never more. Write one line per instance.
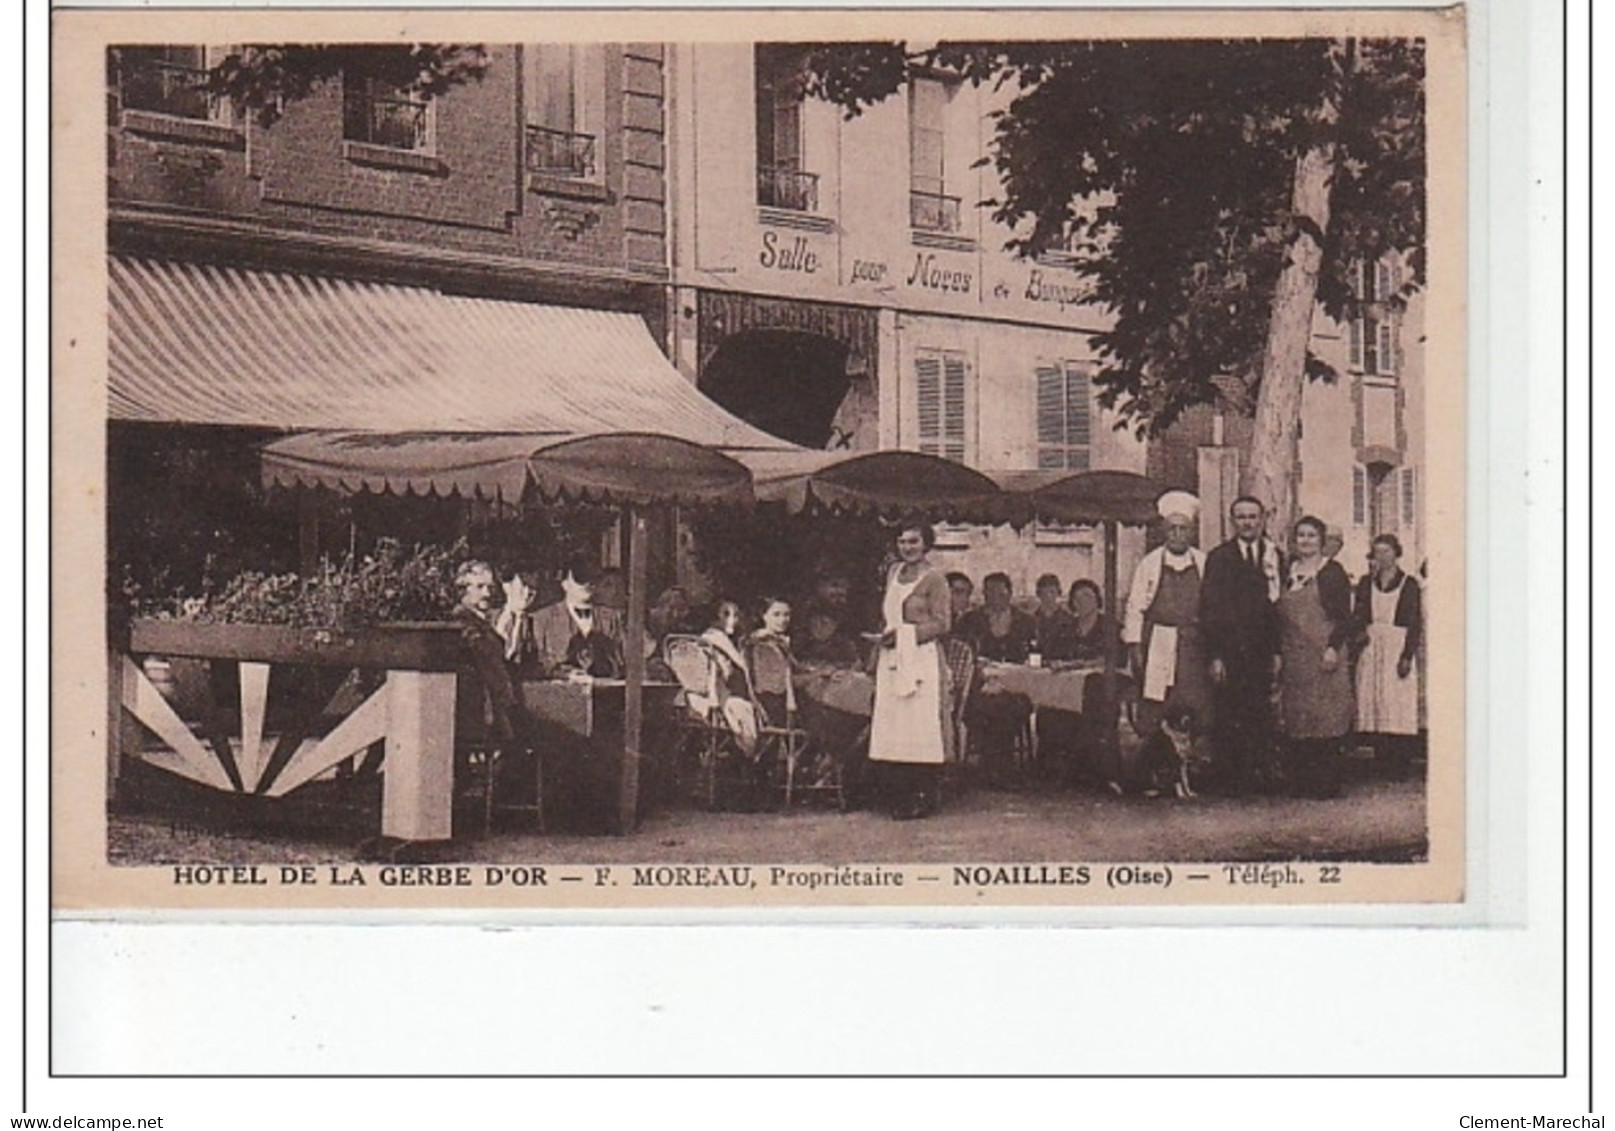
(420, 646)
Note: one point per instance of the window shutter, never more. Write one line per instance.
(953, 406)
(926, 161)
(1355, 359)
(1078, 426)
(1384, 281)
(1359, 496)
(1385, 345)
(928, 394)
(787, 130)
(1050, 417)
(1407, 496)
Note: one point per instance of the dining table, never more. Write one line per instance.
(1057, 688)
(848, 690)
(578, 727)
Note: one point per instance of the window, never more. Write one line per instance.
(1064, 422)
(166, 80)
(929, 207)
(939, 384)
(1373, 332)
(782, 182)
(564, 85)
(1359, 496)
(389, 117)
(1408, 496)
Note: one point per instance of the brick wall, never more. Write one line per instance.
(468, 193)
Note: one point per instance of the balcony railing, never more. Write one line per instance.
(933, 211)
(787, 188)
(389, 121)
(167, 88)
(557, 153)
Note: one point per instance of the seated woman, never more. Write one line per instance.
(1000, 633)
(1056, 630)
(1094, 639)
(723, 638)
(772, 664)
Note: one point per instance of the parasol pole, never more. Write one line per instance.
(634, 671)
(1112, 735)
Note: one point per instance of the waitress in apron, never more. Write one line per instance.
(909, 737)
(1388, 613)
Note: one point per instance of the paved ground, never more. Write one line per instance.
(1377, 818)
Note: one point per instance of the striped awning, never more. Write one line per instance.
(205, 344)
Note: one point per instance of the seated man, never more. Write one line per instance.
(485, 707)
(826, 636)
(571, 635)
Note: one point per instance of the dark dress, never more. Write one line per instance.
(995, 721)
(1069, 744)
(1056, 635)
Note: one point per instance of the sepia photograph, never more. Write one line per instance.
(1019, 467)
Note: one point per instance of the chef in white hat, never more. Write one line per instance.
(1161, 627)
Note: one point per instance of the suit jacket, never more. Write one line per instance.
(486, 709)
(548, 637)
(1238, 620)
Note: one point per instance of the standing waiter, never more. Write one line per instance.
(1162, 626)
(1239, 616)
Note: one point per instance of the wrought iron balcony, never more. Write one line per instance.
(160, 87)
(557, 153)
(933, 211)
(390, 121)
(787, 188)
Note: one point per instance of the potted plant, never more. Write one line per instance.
(388, 609)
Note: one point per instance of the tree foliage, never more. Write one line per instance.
(1167, 165)
(262, 78)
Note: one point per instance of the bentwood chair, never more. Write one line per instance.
(701, 692)
(783, 738)
(960, 657)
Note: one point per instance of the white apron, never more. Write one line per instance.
(1386, 702)
(907, 725)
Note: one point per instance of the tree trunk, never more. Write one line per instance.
(1270, 473)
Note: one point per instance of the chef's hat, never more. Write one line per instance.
(1179, 504)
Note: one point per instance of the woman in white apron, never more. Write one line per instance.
(909, 735)
(1388, 612)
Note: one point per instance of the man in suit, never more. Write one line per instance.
(571, 635)
(1239, 617)
(486, 708)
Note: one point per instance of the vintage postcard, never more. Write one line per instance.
(832, 460)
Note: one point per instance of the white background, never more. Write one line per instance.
(254, 998)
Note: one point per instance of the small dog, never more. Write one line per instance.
(1165, 759)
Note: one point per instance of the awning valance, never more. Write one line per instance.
(888, 483)
(617, 468)
(1084, 497)
(206, 344)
